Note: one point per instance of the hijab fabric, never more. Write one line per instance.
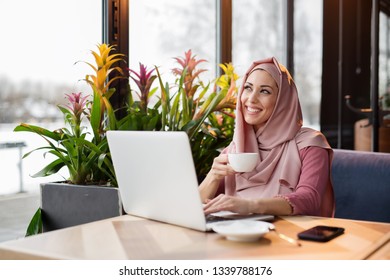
(277, 142)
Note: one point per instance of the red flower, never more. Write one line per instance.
(144, 82)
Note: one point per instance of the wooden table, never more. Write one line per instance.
(129, 237)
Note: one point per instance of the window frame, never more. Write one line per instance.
(115, 31)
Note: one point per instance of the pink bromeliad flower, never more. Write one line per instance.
(144, 81)
(77, 103)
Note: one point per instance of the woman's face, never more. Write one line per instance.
(258, 98)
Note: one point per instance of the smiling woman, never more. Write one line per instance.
(292, 175)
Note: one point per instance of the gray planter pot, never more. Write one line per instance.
(65, 205)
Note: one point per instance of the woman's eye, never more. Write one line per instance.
(264, 91)
(247, 88)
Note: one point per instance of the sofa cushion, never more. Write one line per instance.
(361, 183)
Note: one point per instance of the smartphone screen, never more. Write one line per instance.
(321, 233)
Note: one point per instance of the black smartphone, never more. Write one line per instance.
(321, 233)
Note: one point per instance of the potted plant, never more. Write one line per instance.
(89, 194)
(185, 105)
(188, 105)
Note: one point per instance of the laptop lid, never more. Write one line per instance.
(156, 176)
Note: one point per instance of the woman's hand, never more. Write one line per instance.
(221, 168)
(229, 203)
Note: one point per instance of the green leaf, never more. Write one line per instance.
(151, 92)
(38, 130)
(30, 152)
(112, 123)
(174, 112)
(50, 169)
(164, 99)
(203, 92)
(184, 98)
(152, 124)
(96, 117)
(35, 225)
(209, 110)
(105, 165)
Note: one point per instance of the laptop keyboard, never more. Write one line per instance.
(212, 219)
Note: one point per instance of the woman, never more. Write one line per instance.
(292, 176)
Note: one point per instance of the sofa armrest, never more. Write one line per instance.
(361, 182)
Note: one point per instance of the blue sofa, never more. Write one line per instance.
(361, 183)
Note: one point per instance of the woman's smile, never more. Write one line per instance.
(252, 110)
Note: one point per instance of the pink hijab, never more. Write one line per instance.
(278, 143)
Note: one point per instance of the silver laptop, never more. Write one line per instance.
(157, 179)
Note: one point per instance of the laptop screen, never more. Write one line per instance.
(156, 176)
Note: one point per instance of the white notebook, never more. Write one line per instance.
(157, 179)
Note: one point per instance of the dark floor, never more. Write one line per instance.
(16, 212)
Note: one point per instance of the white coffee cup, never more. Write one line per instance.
(243, 162)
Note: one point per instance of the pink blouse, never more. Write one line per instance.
(307, 197)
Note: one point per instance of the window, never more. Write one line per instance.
(39, 68)
(259, 29)
(258, 32)
(384, 61)
(308, 58)
(42, 41)
(164, 29)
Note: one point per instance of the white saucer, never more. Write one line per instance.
(242, 230)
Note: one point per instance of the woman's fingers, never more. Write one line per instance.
(227, 203)
(212, 205)
(220, 167)
(220, 203)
